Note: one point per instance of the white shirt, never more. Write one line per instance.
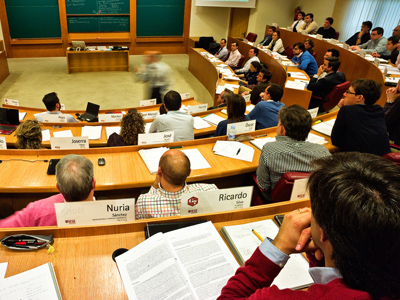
(177, 121)
(246, 66)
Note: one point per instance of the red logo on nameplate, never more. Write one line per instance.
(192, 201)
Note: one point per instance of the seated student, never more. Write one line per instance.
(75, 181)
(263, 78)
(267, 39)
(360, 125)
(222, 52)
(332, 53)
(236, 113)
(320, 85)
(290, 152)
(276, 43)
(391, 45)
(175, 120)
(362, 36)
(309, 46)
(300, 21)
(392, 113)
(377, 43)
(310, 26)
(164, 196)
(131, 125)
(253, 56)
(327, 31)
(53, 106)
(355, 259)
(250, 77)
(223, 98)
(304, 60)
(266, 111)
(234, 56)
(29, 135)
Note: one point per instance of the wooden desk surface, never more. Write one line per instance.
(124, 167)
(82, 258)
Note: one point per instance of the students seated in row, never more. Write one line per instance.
(266, 111)
(253, 56)
(290, 152)
(222, 52)
(362, 36)
(164, 196)
(29, 135)
(267, 39)
(299, 23)
(223, 98)
(234, 56)
(376, 44)
(327, 31)
(75, 181)
(263, 78)
(249, 79)
(391, 45)
(276, 44)
(310, 26)
(131, 125)
(351, 235)
(360, 125)
(175, 120)
(236, 113)
(304, 60)
(53, 106)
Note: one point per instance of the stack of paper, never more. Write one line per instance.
(64, 133)
(325, 127)
(234, 150)
(199, 123)
(295, 85)
(298, 75)
(316, 139)
(45, 135)
(92, 132)
(213, 119)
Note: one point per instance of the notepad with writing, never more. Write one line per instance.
(244, 242)
(325, 127)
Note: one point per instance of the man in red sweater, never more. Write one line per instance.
(354, 233)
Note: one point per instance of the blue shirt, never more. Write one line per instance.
(307, 63)
(266, 114)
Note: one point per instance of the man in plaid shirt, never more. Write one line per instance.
(164, 196)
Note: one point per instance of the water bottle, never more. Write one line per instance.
(232, 133)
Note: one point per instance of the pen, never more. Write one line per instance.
(238, 151)
(261, 135)
(318, 121)
(257, 235)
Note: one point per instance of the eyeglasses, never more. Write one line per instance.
(348, 92)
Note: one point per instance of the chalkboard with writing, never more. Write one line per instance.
(29, 19)
(89, 7)
(156, 18)
(98, 24)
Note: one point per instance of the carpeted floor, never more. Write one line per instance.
(31, 78)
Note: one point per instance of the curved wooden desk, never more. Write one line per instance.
(352, 65)
(82, 258)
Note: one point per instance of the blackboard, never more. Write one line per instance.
(159, 18)
(97, 7)
(33, 19)
(97, 24)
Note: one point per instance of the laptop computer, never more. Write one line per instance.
(9, 120)
(92, 110)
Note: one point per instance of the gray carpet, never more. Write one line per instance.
(31, 78)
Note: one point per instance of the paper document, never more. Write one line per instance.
(259, 143)
(197, 160)
(325, 127)
(220, 89)
(22, 115)
(295, 85)
(199, 123)
(45, 135)
(187, 263)
(250, 107)
(93, 132)
(316, 139)
(3, 269)
(64, 133)
(298, 75)
(231, 78)
(213, 119)
(234, 150)
(147, 127)
(111, 130)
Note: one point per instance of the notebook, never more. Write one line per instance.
(9, 120)
(92, 110)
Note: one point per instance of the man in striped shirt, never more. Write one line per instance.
(290, 152)
(164, 196)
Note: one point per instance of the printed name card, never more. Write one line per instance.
(155, 138)
(300, 191)
(149, 114)
(79, 142)
(11, 102)
(313, 112)
(242, 127)
(318, 36)
(110, 117)
(197, 108)
(376, 62)
(3, 144)
(247, 97)
(148, 102)
(185, 96)
(216, 201)
(54, 118)
(95, 212)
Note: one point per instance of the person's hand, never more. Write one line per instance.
(295, 227)
(320, 70)
(392, 94)
(245, 93)
(341, 103)
(375, 54)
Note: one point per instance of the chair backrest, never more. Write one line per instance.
(333, 98)
(251, 37)
(314, 55)
(241, 61)
(337, 35)
(289, 52)
(394, 157)
(204, 42)
(283, 189)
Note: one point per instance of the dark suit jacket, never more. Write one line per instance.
(321, 88)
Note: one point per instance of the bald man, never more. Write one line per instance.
(164, 196)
